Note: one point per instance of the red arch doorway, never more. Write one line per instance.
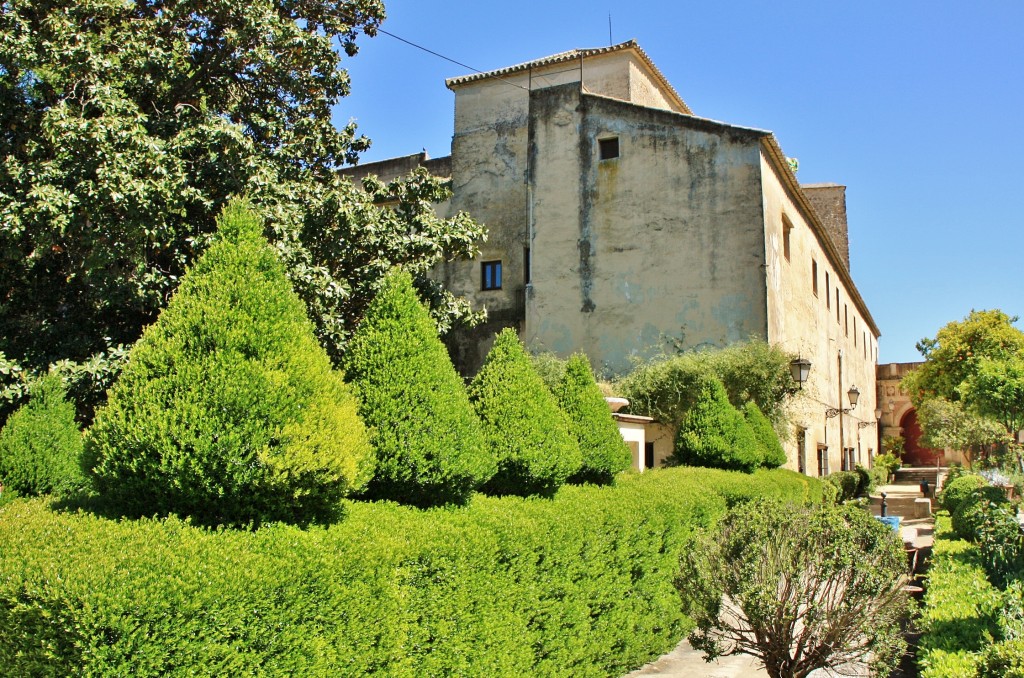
(914, 453)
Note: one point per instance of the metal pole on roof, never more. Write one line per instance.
(610, 43)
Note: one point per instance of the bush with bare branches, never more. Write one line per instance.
(798, 588)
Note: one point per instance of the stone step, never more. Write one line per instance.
(910, 507)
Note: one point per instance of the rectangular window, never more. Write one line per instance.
(846, 320)
(855, 331)
(814, 277)
(608, 148)
(822, 461)
(828, 286)
(526, 266)
(864, 342)
(787, 228)
(837, 304)
(648, 455)
(490, 275)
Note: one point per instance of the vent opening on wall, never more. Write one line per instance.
(608, 148)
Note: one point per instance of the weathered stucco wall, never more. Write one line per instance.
(805, 317)
(657, 248)
(491, 169)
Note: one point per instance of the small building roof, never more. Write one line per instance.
(573, 55)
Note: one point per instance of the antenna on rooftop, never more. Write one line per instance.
(610, 43)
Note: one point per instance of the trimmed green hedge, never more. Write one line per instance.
(429, 443)
(580, 585)
(590, 421)
(228, 410)
(527, 430)
(961, 609)
(41, 444)
(714, 433)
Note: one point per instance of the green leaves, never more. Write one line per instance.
(41, 444)
(228, 410)
(126, 127)
(578, 585)
(429, 444)
(715, 434)
(798, 588)
(526, 430)
(604, 451)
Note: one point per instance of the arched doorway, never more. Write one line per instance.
(915, 454)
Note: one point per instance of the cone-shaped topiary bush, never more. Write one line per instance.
(228, 410)
(41, 444)
(604, 451)
(430, 446)
(714, 433)
(769, 448)
(524, 425)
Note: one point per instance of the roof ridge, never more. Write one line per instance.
(571, 55)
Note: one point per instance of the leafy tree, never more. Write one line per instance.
(604, 451)
(949, 424)
(228, 409)
(665, 388)
(996, 390)
(429, 442)
(714, 433)
(769, 448)
(798, 588)
(524, 426)
(41, 445)
(956, 351)
(126, 126)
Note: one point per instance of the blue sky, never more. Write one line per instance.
(918, 108)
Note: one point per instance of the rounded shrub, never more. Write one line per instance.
(769, 448)
(429, 442)
(41, 444)
(524, 426)
(958, 489)
(228, 410)
(845, 482)
(604, 451)
(714, 434)
(971, 510)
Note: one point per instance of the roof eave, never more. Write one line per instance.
(778, 160)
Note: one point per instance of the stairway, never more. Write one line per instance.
(914, 476)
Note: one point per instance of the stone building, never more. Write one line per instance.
(899, 418)
(624, 225)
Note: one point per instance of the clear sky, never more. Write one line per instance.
(916, 107)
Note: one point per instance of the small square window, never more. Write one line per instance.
(608, 148)
(490, 275)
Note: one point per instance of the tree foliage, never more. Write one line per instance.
(429, 443)
(769, 448)
(604, 451)
(41, 445)
(125, 127)
(973, 375)
(228, 410)
(956, 351)
(714, 434)
(524, 426)
(949, 424)
(665, 387)
(798, 588)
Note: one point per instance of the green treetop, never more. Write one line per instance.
(604, 451)
(126, 126)
(429, 443)
(526, 429)
(228, 409)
